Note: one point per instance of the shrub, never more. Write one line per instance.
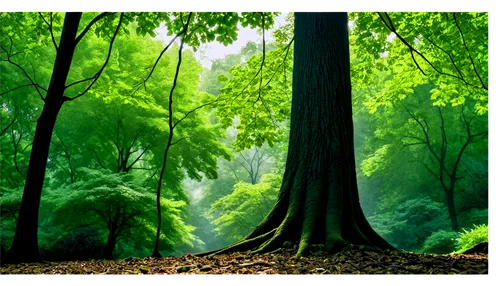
(470, 238)
(411, 223)
(80, 244)
(439, 242)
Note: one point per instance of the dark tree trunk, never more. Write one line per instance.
(318, 201)
(110, 244)
(25, 245)
(450, 201)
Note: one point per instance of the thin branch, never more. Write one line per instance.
(68, 158)
(97, 157)
(191, 111)
(430, 171)
(50, 29)
(468, 52)
(143, 83)
(424, 130)
(412, 144)
(179, 140)
(263, 56)
(243, 165)
(449, 55)
(91, 23)
(9, 55)
(7, 127)
(150, 178)
(21, 86)
(234, 173)
(98, 74)
(444, 141)
(287, 49)
(388, 23)
(137, 159)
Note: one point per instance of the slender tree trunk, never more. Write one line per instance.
(110, 244)
(25, 245)
(318, 201)
(450, 202)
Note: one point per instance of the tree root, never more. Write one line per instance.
(243, 245)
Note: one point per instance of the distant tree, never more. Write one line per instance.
(122, 208)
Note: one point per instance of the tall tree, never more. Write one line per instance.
(318, 201)
(25, 244)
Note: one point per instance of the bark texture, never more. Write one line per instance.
(318, 201)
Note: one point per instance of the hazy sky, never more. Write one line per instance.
(209, 52)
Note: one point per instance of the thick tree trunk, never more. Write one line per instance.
(25, 245)
(318, 201)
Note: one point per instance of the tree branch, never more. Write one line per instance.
(21, 86)
(193, 110)
(430, 171)
(98, 74)
(263, 56)
(184, 31)
(91, 23)
(50, 29)
(179, 140)
(388, 23)
(137, 159)
(7, 127)
(97, 157)
(468, 52)
(9, 55)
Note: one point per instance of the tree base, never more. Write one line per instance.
(156, 254)
(313, 249)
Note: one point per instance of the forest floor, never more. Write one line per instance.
(284, 262)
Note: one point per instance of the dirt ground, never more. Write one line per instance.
(284, 262)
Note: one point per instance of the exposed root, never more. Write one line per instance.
(243, 245)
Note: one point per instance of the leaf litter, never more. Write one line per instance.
(283, 262)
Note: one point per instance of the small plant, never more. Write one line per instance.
(439, 242)
(470, 238)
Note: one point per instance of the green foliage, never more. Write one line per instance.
(411, 222)
(454, 43)
(470, 238)
(473, 217)
(236, 214)
(440, 242)
(116, 202)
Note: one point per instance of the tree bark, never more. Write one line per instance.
(318, 201)
(110, 244)
(25, 245)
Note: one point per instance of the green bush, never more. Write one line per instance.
(470, 238)
(439, 242)
(411, 223)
